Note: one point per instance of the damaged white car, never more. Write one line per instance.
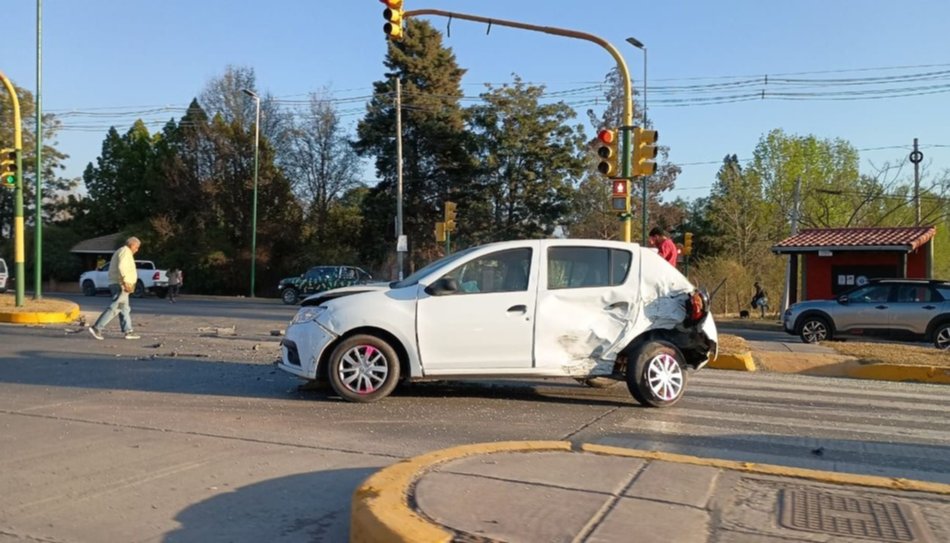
(532, 308)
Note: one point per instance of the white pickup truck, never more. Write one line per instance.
(150, 279)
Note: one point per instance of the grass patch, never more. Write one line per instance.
(891, 353)
(729, 344)
(44, 305)
(770, 322)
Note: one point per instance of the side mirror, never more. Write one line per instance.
(843, 300)
(443, 286)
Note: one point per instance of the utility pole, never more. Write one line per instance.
(38, 264)
(916, 156)
(791, 274)
(400, 249)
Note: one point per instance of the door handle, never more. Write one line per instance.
(520, 308)
(930, 307)
(617, 305)
(880, 307)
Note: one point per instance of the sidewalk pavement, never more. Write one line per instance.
(556, 491)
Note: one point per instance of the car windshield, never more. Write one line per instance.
(427, 269)
(3, 267)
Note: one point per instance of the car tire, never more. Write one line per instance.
(656, 374)
(942, 336)
(363, 368)
(289, 296)
(88, 288)
(139, 289)
(814, 330)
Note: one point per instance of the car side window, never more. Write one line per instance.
(872, 294)
(914, 294)
(504, 271)
(582, 267)
(944, 293)
(316, 273)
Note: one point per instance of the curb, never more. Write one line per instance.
(832, 477)
(900, 372)
(740, 361)
(69, 313)
(381, 512)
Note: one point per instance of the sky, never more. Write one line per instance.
(108, 62)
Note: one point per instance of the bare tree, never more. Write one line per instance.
(321, 164)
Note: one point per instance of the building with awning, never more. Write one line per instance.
(835, 259)
(91, 251)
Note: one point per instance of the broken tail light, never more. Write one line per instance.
(697, 306)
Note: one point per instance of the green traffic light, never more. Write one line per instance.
(9, 180)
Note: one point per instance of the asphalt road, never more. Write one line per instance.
(192, 434)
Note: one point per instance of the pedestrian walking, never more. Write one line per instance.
(664, 245)
(760, 299)
(174, 284)
(122, 280)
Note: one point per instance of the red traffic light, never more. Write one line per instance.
(607, 136)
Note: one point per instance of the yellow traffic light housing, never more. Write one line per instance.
(607, 152)
(440, 231)
(393, 16)
(8, 167)
(688, 243)
(450, 216)
(644, 151)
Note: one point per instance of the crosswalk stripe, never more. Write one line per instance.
(717, 423)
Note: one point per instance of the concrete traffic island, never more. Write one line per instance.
(558, 491)
(43, 311)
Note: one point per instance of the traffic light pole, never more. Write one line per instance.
(18, 255)
(621, 65)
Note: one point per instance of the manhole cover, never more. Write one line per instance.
(836, 514)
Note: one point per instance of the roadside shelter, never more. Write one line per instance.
(92, 251)
(835, 259)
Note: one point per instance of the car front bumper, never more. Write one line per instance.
(302, 347)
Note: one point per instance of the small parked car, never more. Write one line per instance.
(318, 279)
(532, 308)
(902, 309)
(3, 275)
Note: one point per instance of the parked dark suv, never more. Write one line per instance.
(320, 278)
(915, 310)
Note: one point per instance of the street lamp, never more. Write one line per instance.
(257, 133)
(639, 45)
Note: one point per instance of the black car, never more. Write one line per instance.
(318, 279)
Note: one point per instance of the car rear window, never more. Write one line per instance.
(3, 267)
(583, 267)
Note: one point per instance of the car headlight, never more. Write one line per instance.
(307, 314)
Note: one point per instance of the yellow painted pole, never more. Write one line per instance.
(621, 64)
(18, 253)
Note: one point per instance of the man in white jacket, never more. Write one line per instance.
(122, 280)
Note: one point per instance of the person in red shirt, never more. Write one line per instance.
(664, 245)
